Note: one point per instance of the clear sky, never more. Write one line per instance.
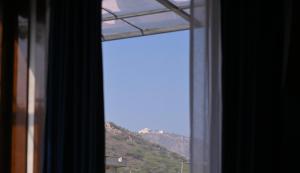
(146, 82)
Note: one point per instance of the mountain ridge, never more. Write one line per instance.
(141, 155)
(174, 142)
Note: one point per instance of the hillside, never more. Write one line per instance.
(173, 142)
(141, 155)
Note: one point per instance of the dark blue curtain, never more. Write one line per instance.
(260, 130)
(74, 134)
(9, 25)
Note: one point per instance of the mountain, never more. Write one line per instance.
(173, 142)
(141, 155)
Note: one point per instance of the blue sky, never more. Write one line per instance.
(146, 82)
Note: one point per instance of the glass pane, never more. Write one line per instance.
(159, 22)
(117, 28)
(181, 3)
(146, 92)
(121, 7)
(105, 14)
(188, 11)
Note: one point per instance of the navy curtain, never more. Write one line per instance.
(260, 130)
(74, 134)
(9, 24)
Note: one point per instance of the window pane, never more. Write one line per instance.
(121, 7)
(106, 14)
(181, 3)
(160, 22)
(117, 28)
(146, 89)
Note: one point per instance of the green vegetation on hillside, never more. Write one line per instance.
(141, 155)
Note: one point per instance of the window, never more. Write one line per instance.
(146, 84)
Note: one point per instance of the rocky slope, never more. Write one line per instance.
(173, 142)
(141, 155)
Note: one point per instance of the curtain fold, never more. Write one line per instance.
(205, 87)
(256, 117)
(74, 134)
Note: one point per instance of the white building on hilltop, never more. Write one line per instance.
(144, 131)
